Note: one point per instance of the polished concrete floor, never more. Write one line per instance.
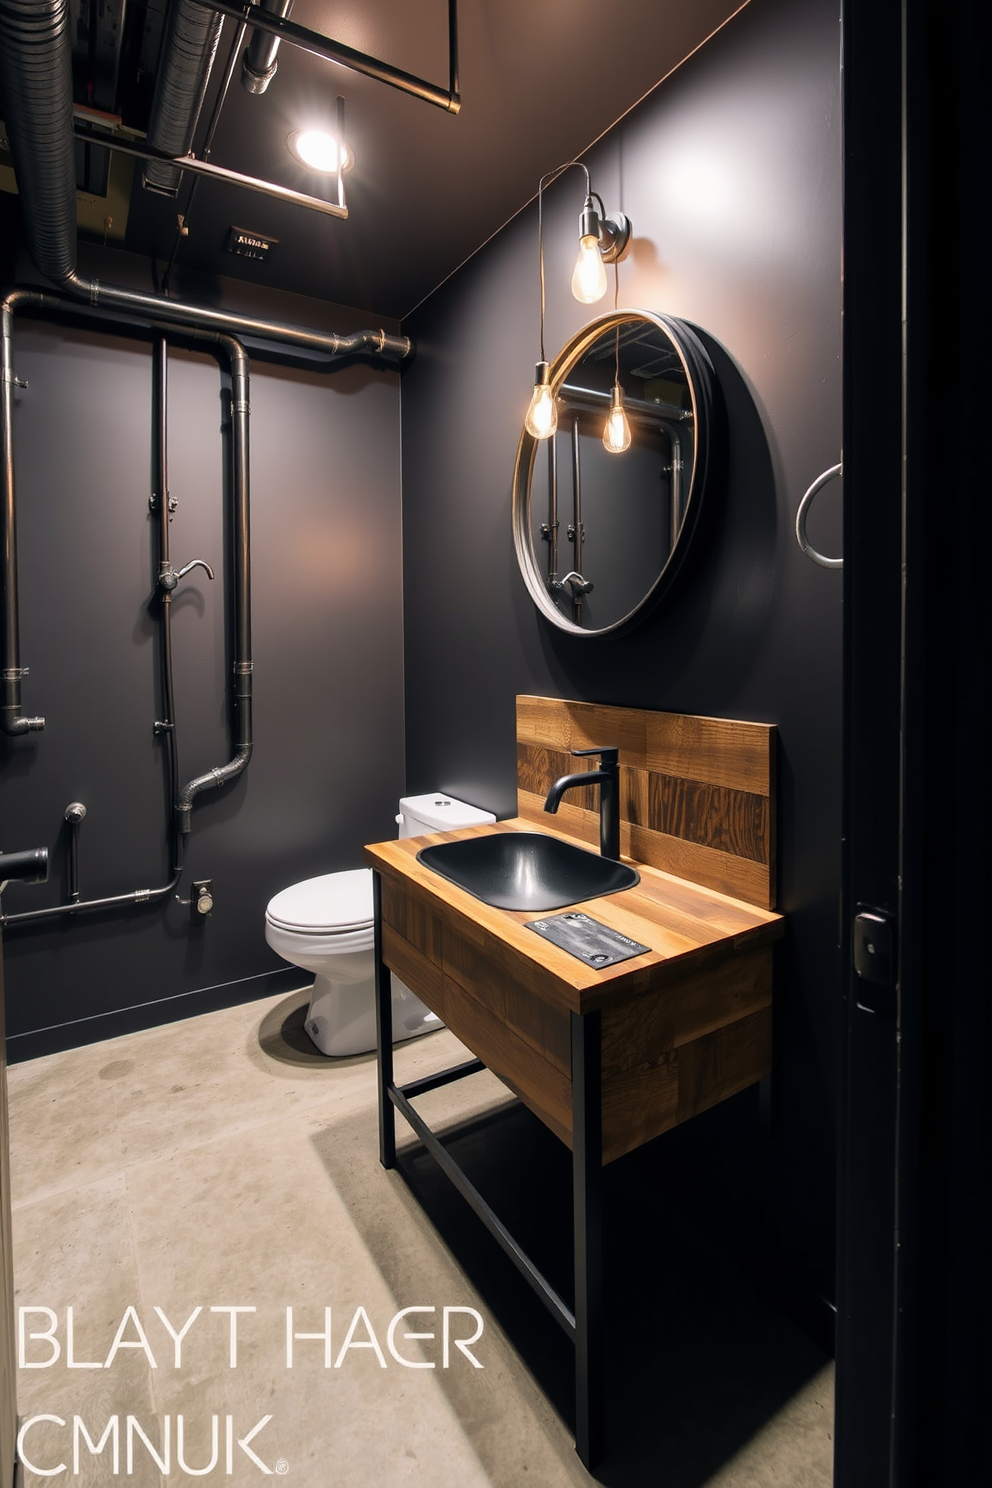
(164, 1179)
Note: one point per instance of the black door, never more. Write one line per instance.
(914, 1330)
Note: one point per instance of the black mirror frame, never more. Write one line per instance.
(701, 380)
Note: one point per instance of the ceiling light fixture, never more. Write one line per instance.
(602, 240)
(318, 151)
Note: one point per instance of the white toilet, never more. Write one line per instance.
(326, 926)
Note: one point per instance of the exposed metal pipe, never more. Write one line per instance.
(261, 59)
(182, 799)
(242, 592)
(188, 53)
(36, 86)
(448, 99)
(10, 663)
(163, 505)
(35, 80)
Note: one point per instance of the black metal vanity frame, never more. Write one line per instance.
(585, 1326)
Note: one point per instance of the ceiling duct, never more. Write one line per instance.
(259, 63)
(35, 79)
(36, 85)
(187, 56)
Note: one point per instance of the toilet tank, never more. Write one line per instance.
(437, 812)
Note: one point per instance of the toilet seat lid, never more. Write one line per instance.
(334, 901)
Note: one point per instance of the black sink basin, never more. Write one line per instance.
(527, 870)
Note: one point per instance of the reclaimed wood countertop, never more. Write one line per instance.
(685, 1024)
(681, 921)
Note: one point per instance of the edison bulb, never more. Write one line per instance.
(616, 435)
(589, 275)
(542, 415)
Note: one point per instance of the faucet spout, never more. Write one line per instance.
(607, 777)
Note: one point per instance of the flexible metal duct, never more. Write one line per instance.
(260, 61)
(35, 77)
(187, 56)
(36, 86)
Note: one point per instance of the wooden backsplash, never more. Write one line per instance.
(697, 795)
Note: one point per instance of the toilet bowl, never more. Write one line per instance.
(326, 925)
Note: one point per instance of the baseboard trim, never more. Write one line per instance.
(79, 1031)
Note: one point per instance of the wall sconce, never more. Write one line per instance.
(602, 240)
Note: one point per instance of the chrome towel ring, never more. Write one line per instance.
(801, 514)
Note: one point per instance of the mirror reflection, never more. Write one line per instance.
(602, 506)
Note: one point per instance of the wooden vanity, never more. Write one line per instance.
(607, 1059)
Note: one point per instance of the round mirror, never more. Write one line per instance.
(604, 510)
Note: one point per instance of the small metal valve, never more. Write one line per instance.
(201, 900)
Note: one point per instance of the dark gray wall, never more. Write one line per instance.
(730, 174)
(327, 767)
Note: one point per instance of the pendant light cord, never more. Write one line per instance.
(616, 306)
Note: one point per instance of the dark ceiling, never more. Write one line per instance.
(540, 80)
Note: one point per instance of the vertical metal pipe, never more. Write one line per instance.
(576, 518)
(676, 486)
(240, 410)
(552, 507)
(453, 84)
(242, 730)
(166, 725)
(260, 61)
(73, 863)
(11, 668)
(161, 494)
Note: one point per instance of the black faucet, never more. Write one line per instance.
(608, 778)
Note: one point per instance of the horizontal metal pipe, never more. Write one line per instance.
(136, 896)
(570, 392)
(90, 136)
(157, 310)
(336, 51)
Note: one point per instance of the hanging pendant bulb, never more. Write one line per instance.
(542, 415)
(616, 435)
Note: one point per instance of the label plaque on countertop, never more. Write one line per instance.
(595, 944)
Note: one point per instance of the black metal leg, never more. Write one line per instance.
(384, 1036)
(587, 1180)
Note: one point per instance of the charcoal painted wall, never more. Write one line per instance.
(327, 766)
(730, 174)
